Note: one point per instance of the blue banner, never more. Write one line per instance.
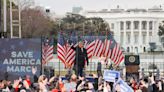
(18, 56)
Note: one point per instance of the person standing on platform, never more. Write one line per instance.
(80, 58)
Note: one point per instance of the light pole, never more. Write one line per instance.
(0, 18)
(152, 48)
(5, 17)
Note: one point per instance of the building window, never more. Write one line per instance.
(144, 38)
(128, 23)
(112, 26)
(150, 25)
(136, 24)
(128, 49)
(128, 38)
(136, 38)
(150, 36)
(144, 49)
(136, 49)
(144, 25)
(121, 25)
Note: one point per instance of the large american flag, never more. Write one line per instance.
(113, 50)
(47, 50)
(64, 51)
(95, 46)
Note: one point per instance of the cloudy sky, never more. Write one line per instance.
(63, 6)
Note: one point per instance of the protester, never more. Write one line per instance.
(73, 83)
(133, 84)
(43, 82)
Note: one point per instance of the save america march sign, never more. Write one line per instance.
(114, 76)
(18, 56)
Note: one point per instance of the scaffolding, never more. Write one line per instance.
(15, 19)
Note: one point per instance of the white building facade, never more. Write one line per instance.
(132, 28)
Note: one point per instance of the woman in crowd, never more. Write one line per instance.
(43, 83)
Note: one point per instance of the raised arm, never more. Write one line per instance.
(73, 48)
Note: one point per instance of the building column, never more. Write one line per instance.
(147, 34)
(140, 38)
(132, 36)
(125, 40)
(117, 27)
(155, 31)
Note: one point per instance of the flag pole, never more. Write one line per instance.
(92, 53)
(59, 67)
(76, 67)
(42, 69)
(83, 28)
(106, 57)
(95, 29)
(57, 43)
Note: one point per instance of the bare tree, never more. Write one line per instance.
(24, 3)
(35, 23)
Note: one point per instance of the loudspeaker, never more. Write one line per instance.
(132, 60)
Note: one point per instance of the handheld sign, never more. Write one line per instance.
(124, 86)
(111, 75)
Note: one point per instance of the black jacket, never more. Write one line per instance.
(80, 56)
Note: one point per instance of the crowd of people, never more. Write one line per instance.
(72, 83)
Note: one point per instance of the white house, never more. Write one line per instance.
(132, 28)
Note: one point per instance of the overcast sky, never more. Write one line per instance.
(63, 6)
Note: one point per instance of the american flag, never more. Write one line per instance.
(95, 46)
(89, 44)
(113, 50)
(61, 48)
(47, 50)
(70, 53)
(98, 48)
(64, 51)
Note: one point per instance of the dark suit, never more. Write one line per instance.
(80, 58)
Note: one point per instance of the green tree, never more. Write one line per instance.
(84, 26)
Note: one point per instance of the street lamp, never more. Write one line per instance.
(152, 48)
